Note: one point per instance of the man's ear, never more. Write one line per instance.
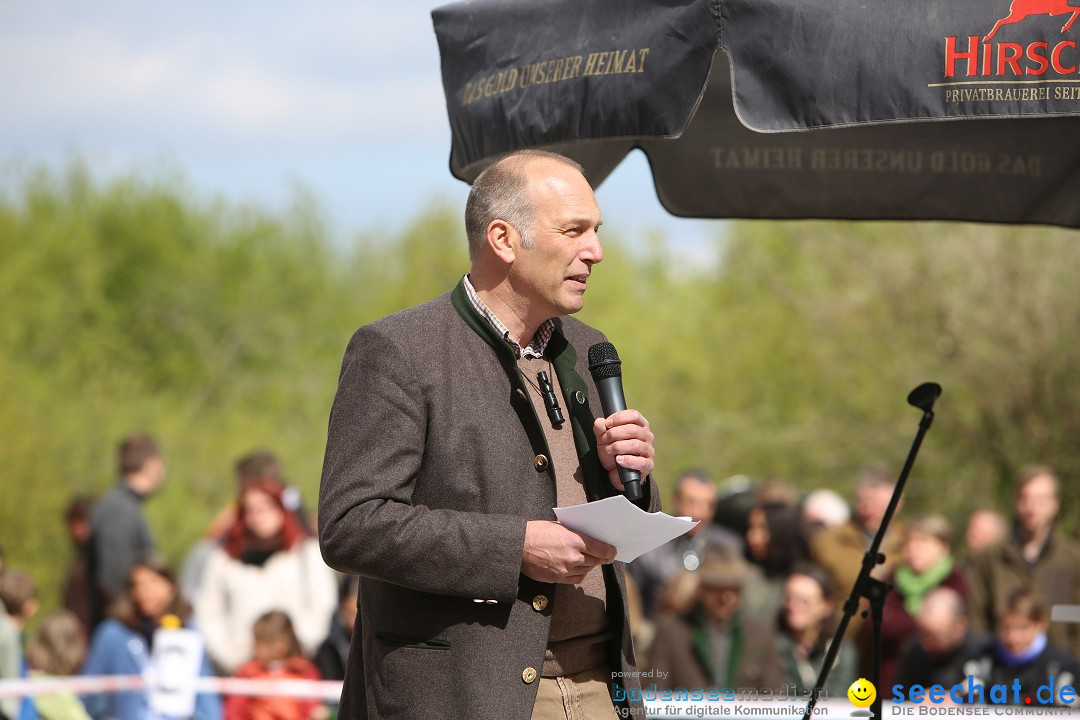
(503, 240)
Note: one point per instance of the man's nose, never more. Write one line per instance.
(593, 252)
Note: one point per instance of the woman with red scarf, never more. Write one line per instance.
(267, 561)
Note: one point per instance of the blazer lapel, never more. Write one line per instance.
(576, 395)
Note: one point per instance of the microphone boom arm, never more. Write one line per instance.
(922, 397)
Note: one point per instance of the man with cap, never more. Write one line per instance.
(715, 644)
(695, 497)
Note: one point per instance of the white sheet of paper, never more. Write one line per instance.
(617, 521)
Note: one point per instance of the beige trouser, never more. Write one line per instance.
(584, 696)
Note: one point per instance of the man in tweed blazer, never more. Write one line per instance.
(443, 465)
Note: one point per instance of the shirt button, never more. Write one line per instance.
(539, 603)
(528, 674)
(540, 462)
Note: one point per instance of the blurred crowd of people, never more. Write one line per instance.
(255, 588)
(750, 598)
(753, 595)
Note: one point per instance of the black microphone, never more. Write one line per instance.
(606, 369)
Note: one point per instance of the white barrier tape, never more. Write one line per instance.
(78, 685)
(326, 690)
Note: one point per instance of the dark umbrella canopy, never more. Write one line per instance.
(846, 109)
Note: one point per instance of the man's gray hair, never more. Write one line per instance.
(944, 599)
(501, 192)
(875, 476)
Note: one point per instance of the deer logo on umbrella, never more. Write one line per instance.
(1021, 9)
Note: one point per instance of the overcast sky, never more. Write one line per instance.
(248, 99)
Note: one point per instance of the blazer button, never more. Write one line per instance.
(539, 603)
(579, 397)
(528, 674)
(540, 462)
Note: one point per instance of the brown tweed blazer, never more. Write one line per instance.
(431, 471)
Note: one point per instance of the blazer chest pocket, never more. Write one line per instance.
(411, 641)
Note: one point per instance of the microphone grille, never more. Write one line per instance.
(604, 361)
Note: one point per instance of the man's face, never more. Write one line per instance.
(871, 502)
(720, 603)
(696, 500)
(552, 273)
(155, 471)
(940, 632)
(983, 530)
(1016, 632)
(150, 477)
(1037, 504)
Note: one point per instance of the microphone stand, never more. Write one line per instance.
(922, 397)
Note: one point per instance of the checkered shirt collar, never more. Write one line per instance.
(540, 340)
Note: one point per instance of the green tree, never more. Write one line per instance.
(132, 305)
